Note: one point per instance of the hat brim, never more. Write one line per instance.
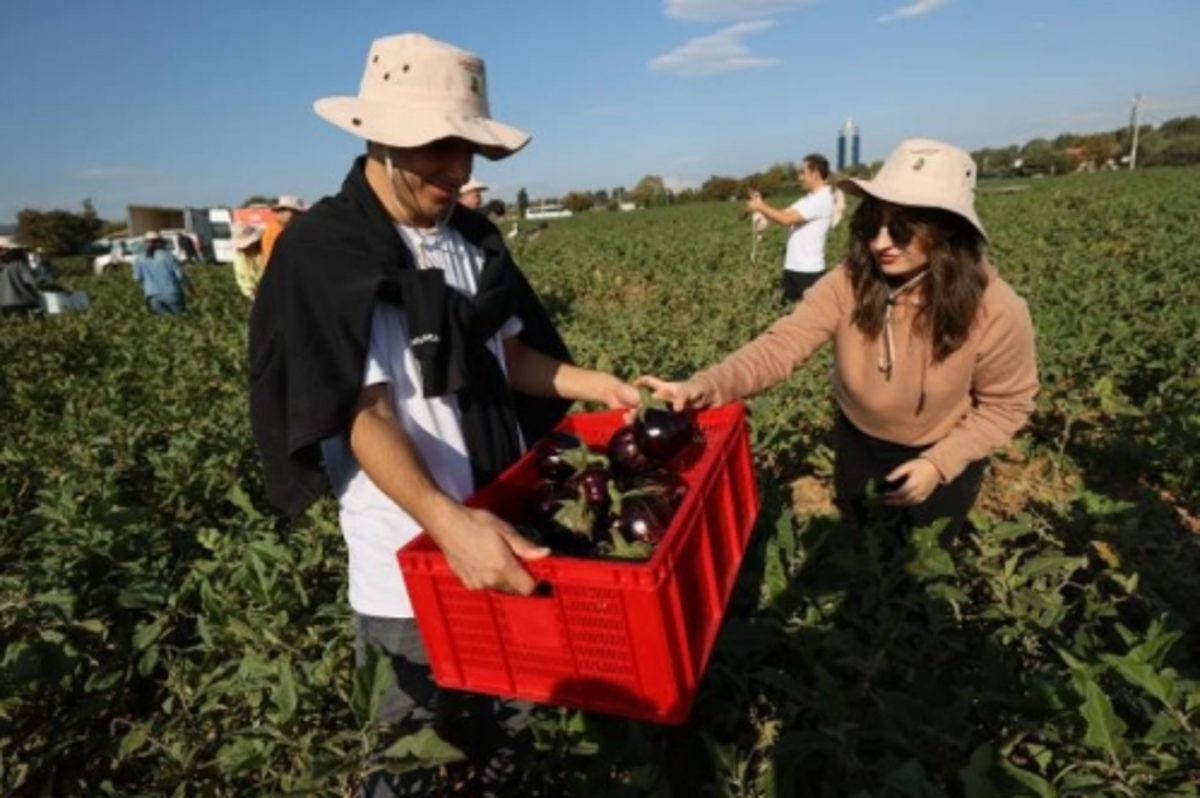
(896, 196)
(242, 243)
(408, 127)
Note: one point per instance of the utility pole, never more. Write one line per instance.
(1135, 120)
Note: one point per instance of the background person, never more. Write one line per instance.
(809, 220)
(934, 359)
(471, 194)
(400, 356)
(286, 208)
(249, 261)
(18, 282)
(161, 277)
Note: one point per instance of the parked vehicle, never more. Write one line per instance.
(547, 211)
(124, 251)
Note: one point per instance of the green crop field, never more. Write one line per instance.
(164, 633)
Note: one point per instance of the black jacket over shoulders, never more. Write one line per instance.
(310, 330)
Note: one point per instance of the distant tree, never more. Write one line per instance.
(257, 199)
(59, 232)
(648, 191)
(1040, 156)
(522, 201)
(599, 198)
(720, 188)
(577, 202)
(1184, 125)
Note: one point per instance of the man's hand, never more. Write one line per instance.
(486, 553)
(755, 202)
(920, 479)
(620, 395)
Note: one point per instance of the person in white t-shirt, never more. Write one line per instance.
(809, 220)
(393, 333)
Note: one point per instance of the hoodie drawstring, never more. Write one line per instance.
(887, 347)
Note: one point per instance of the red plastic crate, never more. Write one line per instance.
(625, 638)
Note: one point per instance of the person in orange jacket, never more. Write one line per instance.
(285, 209)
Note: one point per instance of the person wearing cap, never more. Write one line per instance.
(18, 282)
(934, 357)
(249, 262)
(471, 194)
(399, 355)
(286, 208)
(808, 220)
(161, 277)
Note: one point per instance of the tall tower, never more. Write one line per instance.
(847, 138)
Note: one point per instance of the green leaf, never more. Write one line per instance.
(1034, 782)
(132, 742)
(284, 695)
(976, 783)
(1146, 677)
(1105, 729)
(371, 681)
(422, 748)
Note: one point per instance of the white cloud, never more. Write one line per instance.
(723, 51)
(110, 173)
(720, 10)
(918, 9)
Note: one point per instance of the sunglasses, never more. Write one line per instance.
(900, 226)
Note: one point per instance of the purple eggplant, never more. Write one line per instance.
(644, 517)
(660, 481)
(593, 483)
(548, 498)
(560, 455)
(565, 520)
(626, 456)
(662, 433)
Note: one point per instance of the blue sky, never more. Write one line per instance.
(208, 103)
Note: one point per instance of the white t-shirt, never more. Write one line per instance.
(373, 525)
(806, 243)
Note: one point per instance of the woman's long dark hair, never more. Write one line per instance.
(950, 295)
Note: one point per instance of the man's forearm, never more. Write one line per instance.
(535, 373)
(386, 453)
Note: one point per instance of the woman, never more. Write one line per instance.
(249, 260)
(934, 360)
(161, 277)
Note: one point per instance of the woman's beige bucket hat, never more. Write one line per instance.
(416, 90)
(925, 173)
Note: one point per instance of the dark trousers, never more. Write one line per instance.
(796, 283)
(862, 460)
(491, 733)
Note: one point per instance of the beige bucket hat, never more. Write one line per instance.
(925, 173)
(245, 235)
(290, 202)
(416, 90)
(472, 185)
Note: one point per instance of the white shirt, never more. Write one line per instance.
(373, 525)
(806, 243)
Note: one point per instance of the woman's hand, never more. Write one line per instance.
(919, 480)
(687, 395)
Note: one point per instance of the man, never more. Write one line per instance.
(18, 283)
(809, 220)
(397, 349)
(471, 195)
(285, 209)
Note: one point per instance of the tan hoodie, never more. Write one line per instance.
(962, 408)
